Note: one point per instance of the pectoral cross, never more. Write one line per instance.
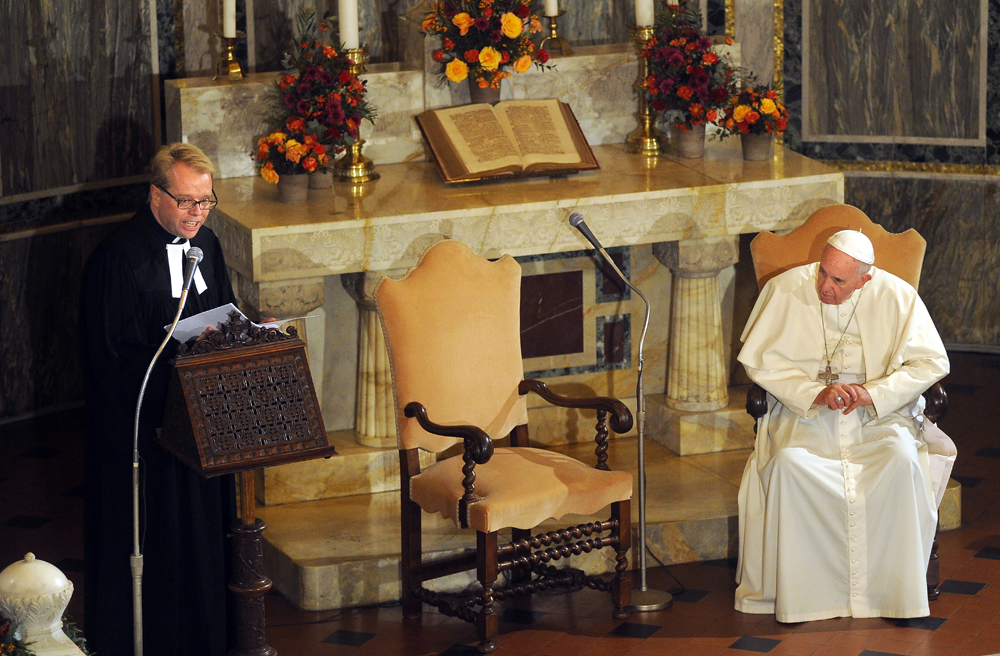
(828, 377)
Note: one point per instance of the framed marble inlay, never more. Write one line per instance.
(894, 73)
(574, 322)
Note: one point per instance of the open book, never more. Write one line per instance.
(514, 138)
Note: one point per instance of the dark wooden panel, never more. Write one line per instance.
(75, 93)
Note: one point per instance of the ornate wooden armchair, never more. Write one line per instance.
(900, 254)
(453, 335)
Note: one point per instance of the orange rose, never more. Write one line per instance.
(309, 164)
(752, 117)
(456, 70)
(329, 52)
(684, 92)
(463, 21)
(489, 58)
(709, 58)
(522, 64)
(511, 26)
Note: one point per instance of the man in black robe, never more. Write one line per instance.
(130, 292)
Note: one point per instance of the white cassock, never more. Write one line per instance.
(838, 512)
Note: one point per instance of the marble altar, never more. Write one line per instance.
(678, 218)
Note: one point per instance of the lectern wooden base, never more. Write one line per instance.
(249, 584)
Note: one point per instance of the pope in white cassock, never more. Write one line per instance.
(837, 507)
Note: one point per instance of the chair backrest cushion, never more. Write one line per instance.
(452, 327)
(900, 254)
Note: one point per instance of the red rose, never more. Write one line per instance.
(471, 56)
(437, 55)
(522, 11)
(542, 55)
(488, 12)
(504, 57)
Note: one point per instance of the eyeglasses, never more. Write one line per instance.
(188, 203)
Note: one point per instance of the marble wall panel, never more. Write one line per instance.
(908, 71)
(77, 94)
(755, 34)
(957, 217)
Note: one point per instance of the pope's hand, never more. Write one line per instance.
(861, 398)
(838, 396)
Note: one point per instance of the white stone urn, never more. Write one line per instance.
(33, 596)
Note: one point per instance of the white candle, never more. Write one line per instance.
(347, 13)
(643, 12)
(229, 19)
(551, 7)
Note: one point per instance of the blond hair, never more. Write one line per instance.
(179, 153)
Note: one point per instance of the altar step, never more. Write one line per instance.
(343, 552)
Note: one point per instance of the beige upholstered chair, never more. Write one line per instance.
(453, 333)
(901, 254)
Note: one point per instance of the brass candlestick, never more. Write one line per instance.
(560, 42)
(229, 65)
(646, 138)
(353, 166)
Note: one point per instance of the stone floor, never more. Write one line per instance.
(41, 484)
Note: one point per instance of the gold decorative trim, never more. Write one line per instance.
(914, 167)
(779, 49)
(731, 19)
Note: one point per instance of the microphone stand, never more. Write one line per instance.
(136, 557)
(644, 599)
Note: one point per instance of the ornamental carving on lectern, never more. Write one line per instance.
(237, 332)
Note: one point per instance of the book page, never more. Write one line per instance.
(539, 130)
(479, 139)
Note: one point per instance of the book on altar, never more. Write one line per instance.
(514, 138)
(195, 325)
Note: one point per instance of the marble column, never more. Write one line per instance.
(375, 419)
(697, 416)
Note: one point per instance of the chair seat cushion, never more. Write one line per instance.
(520, 487)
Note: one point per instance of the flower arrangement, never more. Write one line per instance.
(754, 110)
(483, 39)
(686, 80)
(290, 150)
(322, 105)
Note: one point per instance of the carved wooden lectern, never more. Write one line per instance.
(240, 399)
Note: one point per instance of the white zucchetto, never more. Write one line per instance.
(855, 244)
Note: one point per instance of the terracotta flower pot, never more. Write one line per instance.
(757, 147)
(479, 95)
(690, 144)
(293, 188)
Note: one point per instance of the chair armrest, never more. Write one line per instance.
(937, 402)
(756, 401)
(621, 416)
(478, 450)
(478, 445)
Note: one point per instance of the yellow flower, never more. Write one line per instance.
(456, 70)
(740, 113)
(463, 21)
(522, 64)
(269, 174)
(511, 26)
(767, 106)
(489, 58)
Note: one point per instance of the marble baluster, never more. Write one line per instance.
(375, 419)
(696, 373)
(697, 415)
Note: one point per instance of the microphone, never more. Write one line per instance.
(576, 220)
(194, 256)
